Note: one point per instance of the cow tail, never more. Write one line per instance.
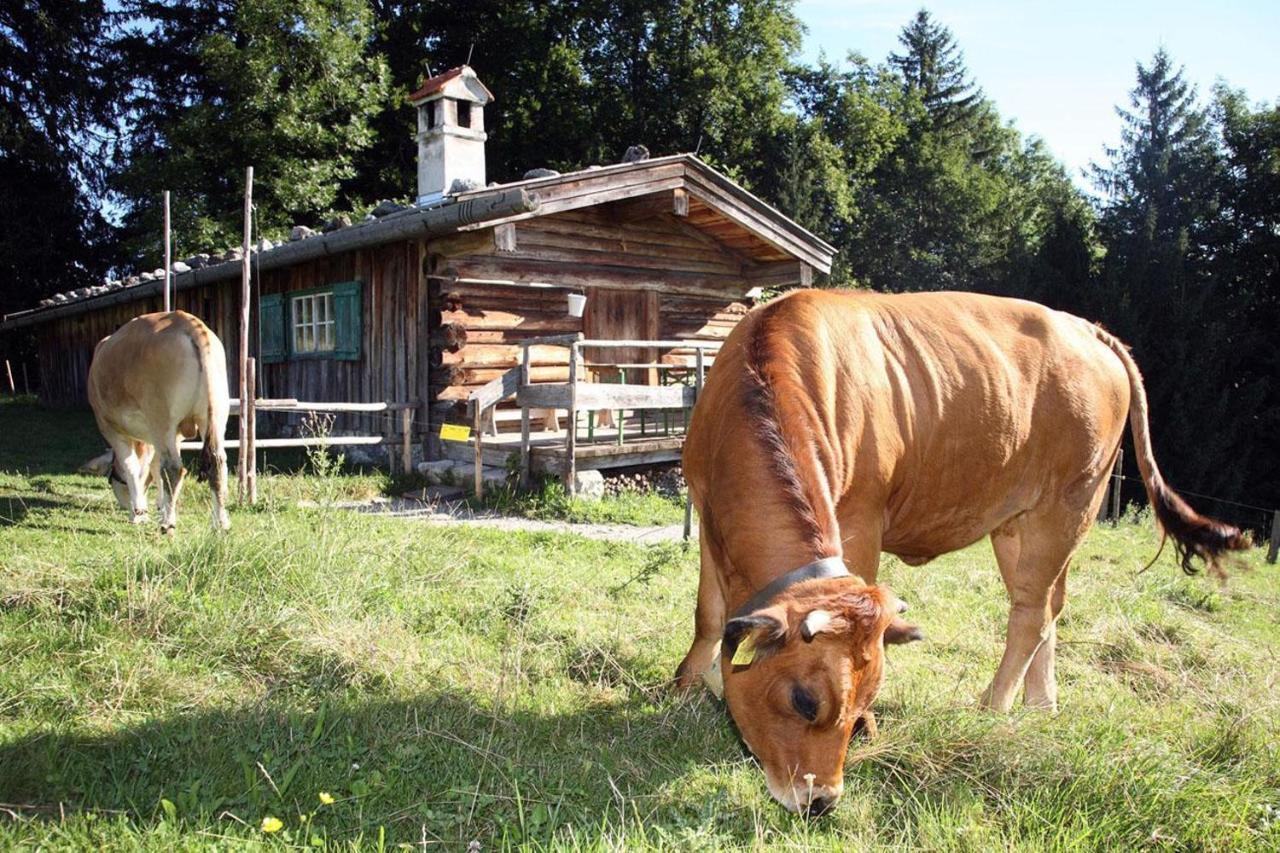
(210, 467)
(208, 451)
(1193, 534)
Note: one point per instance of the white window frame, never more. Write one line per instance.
(313, 325)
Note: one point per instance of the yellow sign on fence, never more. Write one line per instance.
(455, 432)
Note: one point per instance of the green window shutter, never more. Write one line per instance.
(271, 328)
(347, 311)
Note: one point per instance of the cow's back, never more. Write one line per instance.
(944, 412)
(156, 371)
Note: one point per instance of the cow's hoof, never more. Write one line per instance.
(166, 529)
(139, 518)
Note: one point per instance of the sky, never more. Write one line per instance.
(1059, 69)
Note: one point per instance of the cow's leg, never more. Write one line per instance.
(1032, 558)
(709, 618)
(131, 465)
(169, 458)
(1040, 685)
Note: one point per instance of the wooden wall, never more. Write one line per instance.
(436, 339)
(656, 275)
(389, 367)
(394, 309)
(66, 344)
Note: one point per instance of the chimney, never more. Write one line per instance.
(450, 133)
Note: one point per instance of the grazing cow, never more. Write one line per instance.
(161, 376)
(839, 425)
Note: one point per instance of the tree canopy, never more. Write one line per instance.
(903, 164)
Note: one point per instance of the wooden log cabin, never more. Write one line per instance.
(431, 301)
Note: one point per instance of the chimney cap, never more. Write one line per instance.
(460, 82)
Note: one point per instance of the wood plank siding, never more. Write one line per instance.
(655, 277)
(665, 249)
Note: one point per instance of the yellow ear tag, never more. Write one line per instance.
(745, 653)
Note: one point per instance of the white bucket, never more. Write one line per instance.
(577, 304)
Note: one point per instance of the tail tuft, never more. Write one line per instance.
(208, 466)
(1195, 535)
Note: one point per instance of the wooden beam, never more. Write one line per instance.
(674, 201)
(780, 274)
(680, 202)
(496, 391)
(504, 237)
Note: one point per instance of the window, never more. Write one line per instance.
(323, 322)
(313, 325)
(464, 114)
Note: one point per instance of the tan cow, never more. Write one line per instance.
(836, 426)
(160, 378)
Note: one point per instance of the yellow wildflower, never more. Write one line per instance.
(271, 824)
(326, 798)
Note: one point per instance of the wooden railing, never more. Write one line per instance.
(576, 395)
(405, 409)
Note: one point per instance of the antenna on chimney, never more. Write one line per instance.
(470, 51)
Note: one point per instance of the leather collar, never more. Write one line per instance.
(827, 567)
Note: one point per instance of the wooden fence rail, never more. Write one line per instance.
(289, 405)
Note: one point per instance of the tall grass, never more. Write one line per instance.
(443, 685)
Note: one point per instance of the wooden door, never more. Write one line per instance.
(622, 315)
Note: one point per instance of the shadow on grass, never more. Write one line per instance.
(438, 765)
(14, 510)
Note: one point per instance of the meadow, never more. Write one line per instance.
(332, 679)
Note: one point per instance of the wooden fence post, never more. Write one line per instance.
(26, 382)
(1273, 548)
(250, 452)
(1109, 508)
(9, 370)
(406, 443)
(1117, 480)
(526, 464)
(477, 430)
(242, 470)
(571, 443)
(697, 392)
(168, 260)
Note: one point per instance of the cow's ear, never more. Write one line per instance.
(746, 638)
(900, 632)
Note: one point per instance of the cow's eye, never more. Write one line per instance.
(804, 703)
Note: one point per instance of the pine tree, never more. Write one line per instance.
(1161, 213)
(933, 65)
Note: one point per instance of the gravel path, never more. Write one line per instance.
(455, 513)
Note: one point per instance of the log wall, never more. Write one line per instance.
(657, 272)
(392, 329)
(436, 339)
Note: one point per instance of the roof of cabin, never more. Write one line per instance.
(716, 205)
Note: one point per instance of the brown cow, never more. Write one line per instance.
(159, 377)
(839, 425)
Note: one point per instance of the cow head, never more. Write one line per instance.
(800, 672)
(116, 474)
(119, 487)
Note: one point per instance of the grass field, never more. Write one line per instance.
(372, 682)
